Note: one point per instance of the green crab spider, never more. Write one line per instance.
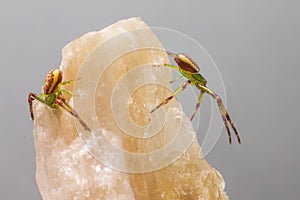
(189, 69)
(52, 95)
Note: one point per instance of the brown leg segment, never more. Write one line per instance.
(31, 97)
(197, 106)
(224, 114)
(177, 91)
(61, 101)
(226, 118)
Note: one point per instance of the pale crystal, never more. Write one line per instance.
(66, 168)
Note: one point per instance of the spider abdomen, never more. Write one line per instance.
(54, 77)
(186, 63)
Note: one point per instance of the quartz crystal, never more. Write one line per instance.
(129, 154)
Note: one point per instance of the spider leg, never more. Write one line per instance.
(65, 91)
(176, 79)
(224, 113)
(61, 101)
(197, 105)
(177, 91)
(171, 54)
(60, 89)
(32, 97)
(166, 65)
(67, 82)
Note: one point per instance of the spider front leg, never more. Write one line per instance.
(61, 101)
(224, 113)
(67, 82)
(60, 89)
(32, 97)
(177, 91)
(166, 65)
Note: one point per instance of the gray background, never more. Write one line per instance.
(254, 43)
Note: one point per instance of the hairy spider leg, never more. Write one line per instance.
(179, 89)
(224, 114)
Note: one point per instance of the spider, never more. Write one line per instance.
(189, 69)
(52, 95)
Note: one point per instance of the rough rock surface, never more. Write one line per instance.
(71, 166)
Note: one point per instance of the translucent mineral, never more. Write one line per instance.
(129, 154)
